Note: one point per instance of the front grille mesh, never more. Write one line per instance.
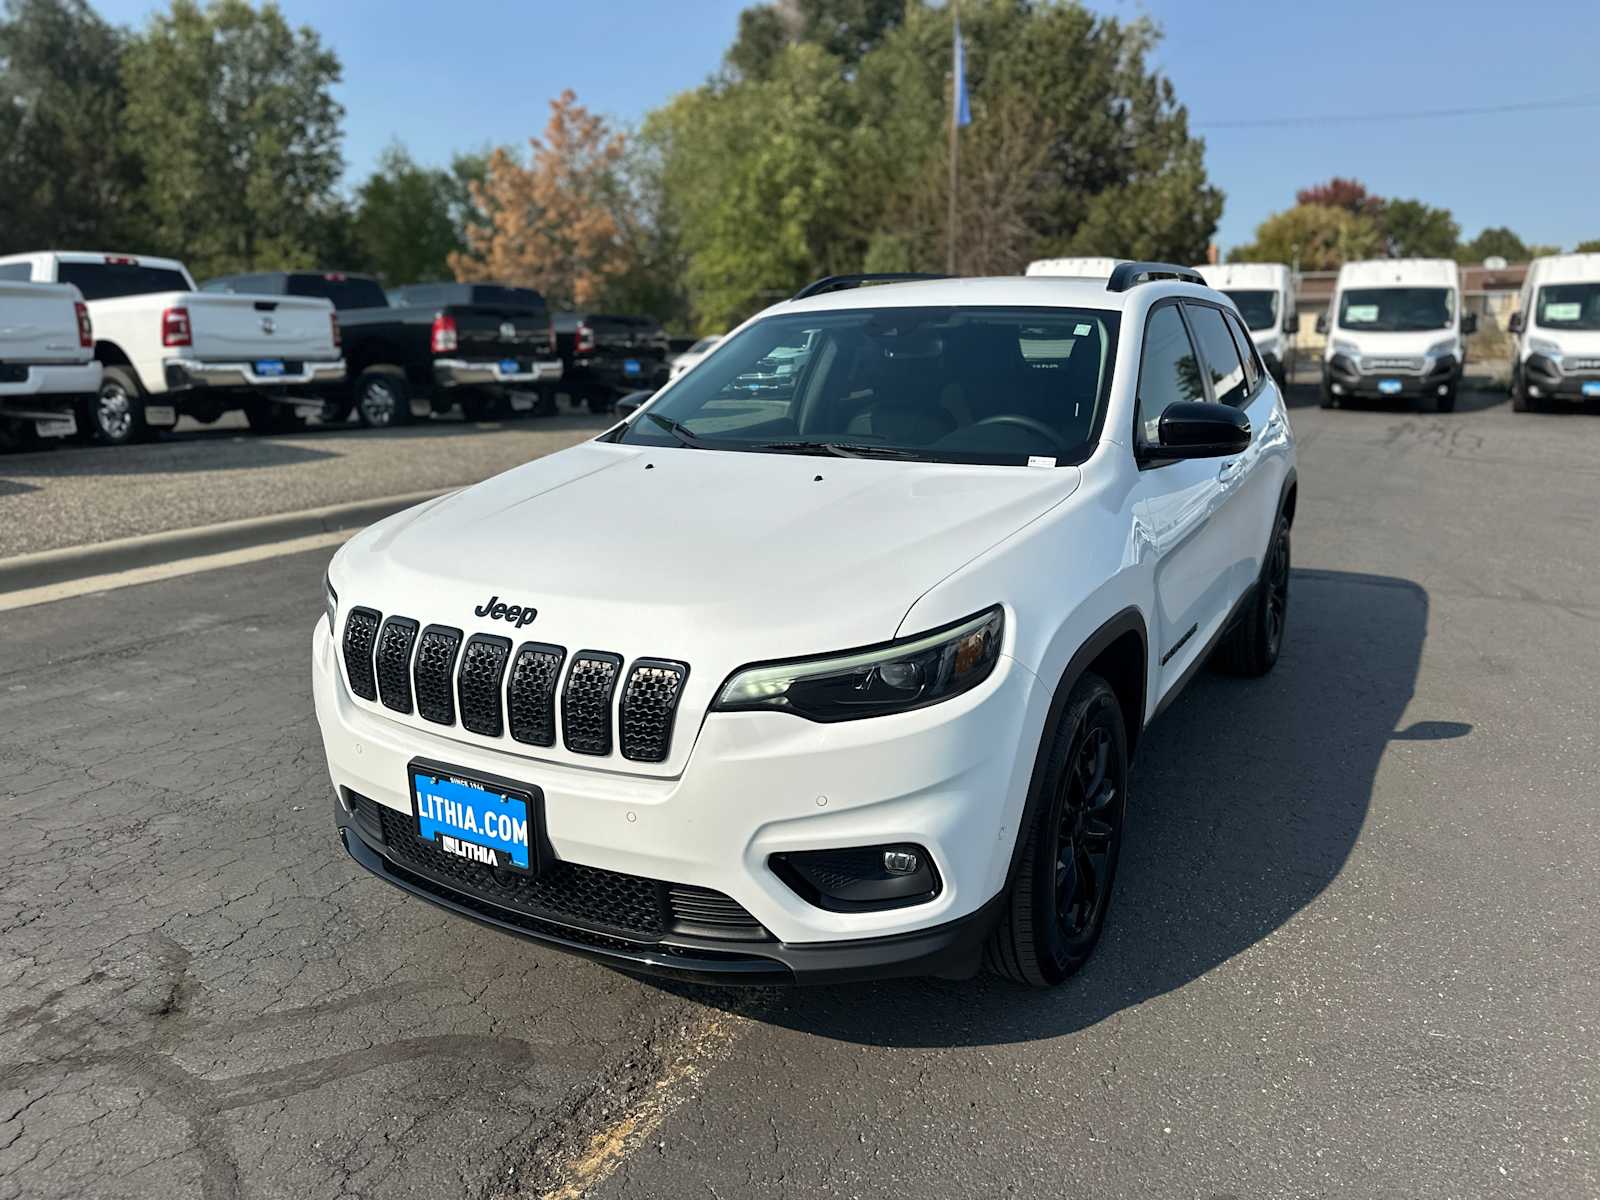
(649, 703)
(360, 631)
(436, 660)
(586, 702)
(394, 662)
(483, 666)
(531, 696)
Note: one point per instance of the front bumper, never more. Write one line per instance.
(461, 372)
(952, 778)
(1545, 378)
(49, 379)
(185, 373)
(1347, 378)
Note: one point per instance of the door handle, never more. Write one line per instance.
(1229, 469)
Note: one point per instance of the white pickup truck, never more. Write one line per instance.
(170, 350)
(47, 364)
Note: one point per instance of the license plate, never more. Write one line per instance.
(56, 427)
(474, 819)
(630, 366)
(1388, 387)
(1591, 389)
(508, 366)
(160, 414)
(269, 366)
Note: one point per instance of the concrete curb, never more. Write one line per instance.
(123, 554)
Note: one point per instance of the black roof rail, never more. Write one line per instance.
(843, 283)
(1130, 274)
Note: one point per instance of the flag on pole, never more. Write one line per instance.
(963, 111)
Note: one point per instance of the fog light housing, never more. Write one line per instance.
(860, 878)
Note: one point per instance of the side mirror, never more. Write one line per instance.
(1469, 324)
(1322, 322)
(1194, 429)
(1516, 323)
(1291, 321)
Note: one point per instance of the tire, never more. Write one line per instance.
(1057, 902)
(1329, 400)
(1252, 646)
(1447, 401)
(382, 399)
(266, 417)
(115, 416)
(1520, 400)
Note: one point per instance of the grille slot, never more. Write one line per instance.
(399, 635)
(649, 704)
(531, 695)
(434, 673)
(483, 666)
(360, 632)
(586, 702)
(698, 910)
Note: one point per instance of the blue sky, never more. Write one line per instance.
(445, 78)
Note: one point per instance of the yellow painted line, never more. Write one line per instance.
(90, 584)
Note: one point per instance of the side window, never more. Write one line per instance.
(1253, 370)
(1220, 354)
(1168, 369)
(20, 271)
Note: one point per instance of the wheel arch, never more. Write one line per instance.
(1288, 496)
(111, 355)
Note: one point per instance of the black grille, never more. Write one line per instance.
(701, 911)
(360, 631)
(531, 697)
(586, 702)
(394, 662)
(649, 703)
(483, 666)
(436, 660)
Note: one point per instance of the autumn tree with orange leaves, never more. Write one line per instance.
(560, 223)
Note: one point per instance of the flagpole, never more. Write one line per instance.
(955, 105)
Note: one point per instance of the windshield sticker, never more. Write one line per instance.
(1039, 460)
(1562, 312)
(1361, 312)
(1081, 331)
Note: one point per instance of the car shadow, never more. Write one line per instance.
(1247, 799)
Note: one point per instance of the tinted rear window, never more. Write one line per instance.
(346, 291)
(106, 281)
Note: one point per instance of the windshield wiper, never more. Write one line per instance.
(680, 431)
(837, 449)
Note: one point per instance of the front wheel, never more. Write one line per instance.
(1521, 401)
(1057, 902)
(1329, 400)
(116, 413)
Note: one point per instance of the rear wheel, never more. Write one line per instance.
(382, 399)
(1253, 645)
(1057, 902)
(116, 413)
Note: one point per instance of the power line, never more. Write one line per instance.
(1591, 101)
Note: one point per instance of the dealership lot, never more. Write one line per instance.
(1352, 951)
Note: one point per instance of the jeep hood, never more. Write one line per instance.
(713, 557)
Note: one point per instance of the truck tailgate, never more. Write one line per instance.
(501, 331)
(39, 323)
(228, 328)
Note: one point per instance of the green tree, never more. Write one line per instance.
(405, 221)
(64, 179)
(1315, 236)
(846, 29)
(1495, 241)
(1592, 246)
(231, 114)
(1412, 229)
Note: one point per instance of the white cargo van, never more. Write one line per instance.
(1397, 330)
(1557, 331)
(1081, 268)
(1264, 295)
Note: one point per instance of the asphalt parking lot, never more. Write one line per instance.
(1353, 949)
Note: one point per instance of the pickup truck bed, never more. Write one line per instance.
(47, 363)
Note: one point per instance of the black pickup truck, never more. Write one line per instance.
(427, 347)
(604, 356)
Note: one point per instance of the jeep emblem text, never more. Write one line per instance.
(515, 613)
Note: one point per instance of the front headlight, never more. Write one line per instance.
(896, 677)
(1340, 346)
(1440, 349)
(330, 600)
(1545, 347)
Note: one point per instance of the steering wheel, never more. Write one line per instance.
(1022, 422)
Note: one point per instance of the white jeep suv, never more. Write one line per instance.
(828, 673)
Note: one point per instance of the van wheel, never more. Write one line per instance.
(115, 415)
(1057, 903)
(382, 399)
(1252, 646)
(1329, 400)
(1520, 400)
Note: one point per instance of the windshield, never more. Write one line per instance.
(346, 291)
(975, 385)
(106, 281)
(1569, 306)
(1397, 309)
(1259, 309)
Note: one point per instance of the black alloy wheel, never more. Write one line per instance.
(1088, 835)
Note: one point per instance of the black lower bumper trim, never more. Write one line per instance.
(950, 951)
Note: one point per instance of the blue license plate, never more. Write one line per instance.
(630, 366)
(1591, 389)
(269, 366)
(1388, 387)
(508, 366)
(473, 820)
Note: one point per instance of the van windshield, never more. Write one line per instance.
(1397, 309)
(1569, 306)
(1258, 308)
(1007, 386)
